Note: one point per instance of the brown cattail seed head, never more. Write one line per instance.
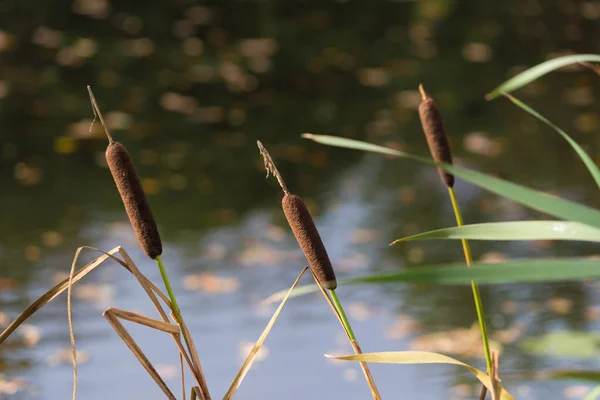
(133, 196)
(433, 126)
(309, 239)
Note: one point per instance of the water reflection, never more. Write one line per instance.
(189, 88)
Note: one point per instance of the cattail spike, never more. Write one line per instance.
(308, 238)
(98, 113)
(433, 127)
(134, 199)
(271, 168)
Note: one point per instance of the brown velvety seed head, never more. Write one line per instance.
(433, 126)
(133, 196)
(309, 239)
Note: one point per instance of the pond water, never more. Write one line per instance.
(189, 87)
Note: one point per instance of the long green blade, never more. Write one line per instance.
(551, 205)
(533, 270)
(589, 163)
(539, 70)
(514, 230)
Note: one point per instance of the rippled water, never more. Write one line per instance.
(190, 111)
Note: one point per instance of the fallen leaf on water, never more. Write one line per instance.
(482, 143)
(31, 335)
(11, 386)
(256, 253)
(493, 257)
(509, 307)
(350, 374)
(576, 391)
(100, 294)
(245, 347)
(5, 320)
(359, 311)
(571, 344)
(63, 356)
(209, 283)
(404, 325)
(460, 341)
(275, 233)
(167, 371)
(560, 305)
(510, 335)
(351, 262)
(7, 284)
(363, 236)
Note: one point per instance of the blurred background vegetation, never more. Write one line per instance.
(189, 86)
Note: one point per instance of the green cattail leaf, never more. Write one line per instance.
(539, 70)
(589, 163)
(555, 206)
(514, 230)
(422, 357)
(532, 270)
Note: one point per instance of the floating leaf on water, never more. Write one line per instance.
(167, 371)
(569, 344)
(363, 236)
(403, 326)
(31, 335)
(462, 342)
(576, 391)
(209, 283)
(63, 356)
(11, 386)
(245, 347)
(560, 305)
(509, 335)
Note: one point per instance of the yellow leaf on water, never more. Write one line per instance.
(64, 145)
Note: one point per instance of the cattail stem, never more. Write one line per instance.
(171, 294)
(474, 286)
(340, 309)
(165, 278)
(353, 342)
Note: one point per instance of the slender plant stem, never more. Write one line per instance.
(176, 311)
(344, 319)
(476, 296)
(340, 309)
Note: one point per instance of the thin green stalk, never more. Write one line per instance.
(476, 296)
(340, 309)
(335, 301)
(176, 311)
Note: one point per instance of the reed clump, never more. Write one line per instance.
(433, 127)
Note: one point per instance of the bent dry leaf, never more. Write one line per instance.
(589, 163)
(539, 70)
(513, 230)
(531, 270)
(555, 206)
(423, 357)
